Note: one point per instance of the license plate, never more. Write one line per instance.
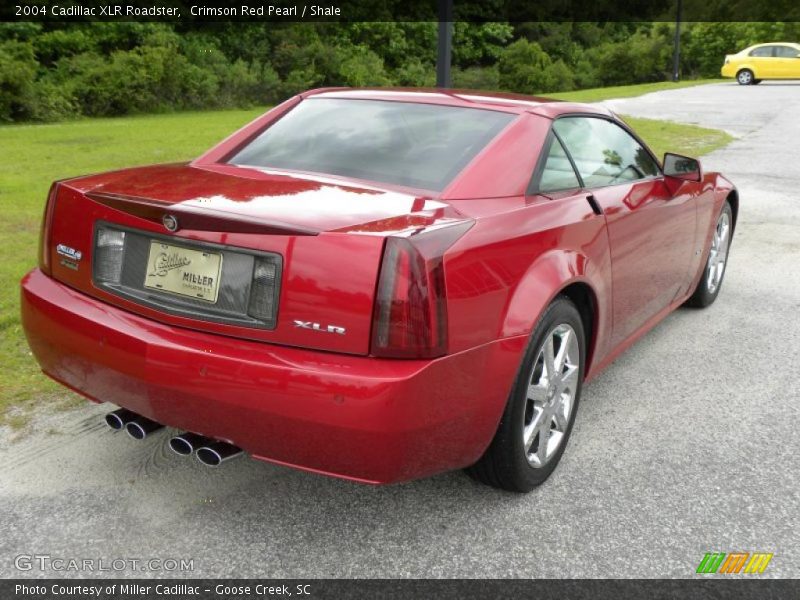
(183, 271)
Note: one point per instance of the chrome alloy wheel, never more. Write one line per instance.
(551, 395)
(745, 77)
(718, 255)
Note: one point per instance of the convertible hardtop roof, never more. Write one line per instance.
(506, 102)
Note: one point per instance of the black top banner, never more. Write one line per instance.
(399, 10)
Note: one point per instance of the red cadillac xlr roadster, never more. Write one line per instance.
(375, 284)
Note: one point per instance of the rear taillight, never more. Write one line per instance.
(264, 289)
(44, 230)
(109, 250)
(410, 319)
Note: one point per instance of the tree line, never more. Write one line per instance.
(51, 72)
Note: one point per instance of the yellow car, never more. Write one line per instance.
(779, 60)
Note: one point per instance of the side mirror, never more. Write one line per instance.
(682, 167)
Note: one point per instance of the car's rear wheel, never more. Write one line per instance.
(745, 77)
(538, 418)
(710, 283)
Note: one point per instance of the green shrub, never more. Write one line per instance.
(302, 50)
(125, 35)
(415, 73)
(299, 80)
(479, 44)
(477, 78)
(586, 75)
(52, 45)
(239, 85)
(394, 42)
(20, 31)
(360, 67)
(147, 79)
(642, 58)
(17, 75)
(521, 67)
(267, 88)
(50, 101)
(559, 77)
(524, 67)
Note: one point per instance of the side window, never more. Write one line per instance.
(603, 152)
(557, 173)
(763, 51)
(786, 52)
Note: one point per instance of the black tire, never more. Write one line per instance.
(745, 77)
(505, 463)
(704, 295)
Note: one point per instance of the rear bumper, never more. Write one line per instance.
(366, 419)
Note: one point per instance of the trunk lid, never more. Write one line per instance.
(294, 203)
(322, 241)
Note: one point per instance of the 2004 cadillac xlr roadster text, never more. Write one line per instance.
(375, 284)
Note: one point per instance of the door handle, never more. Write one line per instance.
(593, 203)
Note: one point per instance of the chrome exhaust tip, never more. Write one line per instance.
(140, 427)
(216, 453)
(117, 419)
(186, 443)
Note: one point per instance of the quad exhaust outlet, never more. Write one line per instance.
(187, 443)
(209, 451)
(140, 427)
(117, 419)
(216, 453)
(137, 426)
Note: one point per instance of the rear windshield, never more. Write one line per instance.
(416, 145)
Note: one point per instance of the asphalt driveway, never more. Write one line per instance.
(687, 444)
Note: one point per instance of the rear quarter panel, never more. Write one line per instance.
(510, 266)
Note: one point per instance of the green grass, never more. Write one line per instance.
(689, 140)
(627, 91)
(35, 155)
(32, 157)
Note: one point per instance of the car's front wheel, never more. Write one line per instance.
(709, 285)
(745, 77)
(538, 418)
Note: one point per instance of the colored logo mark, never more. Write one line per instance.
(734, 562)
